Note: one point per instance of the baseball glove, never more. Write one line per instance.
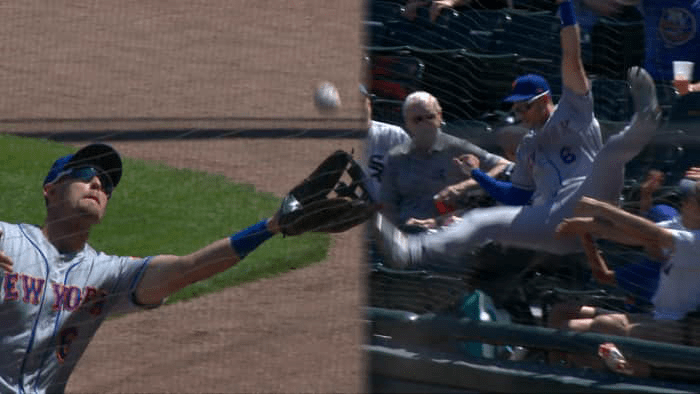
(323, 202)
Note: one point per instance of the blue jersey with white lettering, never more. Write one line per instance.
(561, 153)
(52, 304)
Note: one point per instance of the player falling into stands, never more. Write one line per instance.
(56, 290)
(561, 159)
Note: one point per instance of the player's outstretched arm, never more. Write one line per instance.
(320, 203)
(573, 73)
(644, 231)
(466, 163)
(166, 274)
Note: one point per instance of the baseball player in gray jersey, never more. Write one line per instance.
(381, 137)
(56, 290)
(561, 159)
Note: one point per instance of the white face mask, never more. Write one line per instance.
(422, 123)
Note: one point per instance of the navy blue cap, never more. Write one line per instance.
(99, 155)
(528, 87)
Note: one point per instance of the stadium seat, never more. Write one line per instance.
(388, 111)
(684, 113)
(415, 291)
(611, 99)
(375, 33)
(476, 31)
(467, 84)
(448, 31)
(402, 32)
(394, 75)
(617, 44)
(531, 34)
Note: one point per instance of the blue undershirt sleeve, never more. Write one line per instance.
(503, 192)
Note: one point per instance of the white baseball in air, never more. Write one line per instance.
(327, 97)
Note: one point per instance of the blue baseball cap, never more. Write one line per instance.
(528, 87)
(101, 156)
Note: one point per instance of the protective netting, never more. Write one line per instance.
(468, 59)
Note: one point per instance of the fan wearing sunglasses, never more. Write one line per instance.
(424, 168)
(56, 290)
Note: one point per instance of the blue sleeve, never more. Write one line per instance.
(503, 192)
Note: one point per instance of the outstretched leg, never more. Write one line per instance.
(530, 227)
(607, 175)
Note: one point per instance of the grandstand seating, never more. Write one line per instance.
(616, 46)
(419, 34)
(375, 33)
(395, 74)
(387, 111)
(611, 99)
(468, 84)
(477, 31)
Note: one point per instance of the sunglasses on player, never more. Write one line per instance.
(521, 108)
(85, 174)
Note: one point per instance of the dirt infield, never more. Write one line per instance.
(71, 65)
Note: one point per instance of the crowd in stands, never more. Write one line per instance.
(615, 35)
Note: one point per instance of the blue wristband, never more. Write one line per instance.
(245, 241)
(503, 192)
(567, 14)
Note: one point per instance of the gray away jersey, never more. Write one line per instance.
(561, 153)
(46, 323)
(381, 137)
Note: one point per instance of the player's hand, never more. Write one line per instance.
(466, 163)
(693, 173)
(577, 226)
